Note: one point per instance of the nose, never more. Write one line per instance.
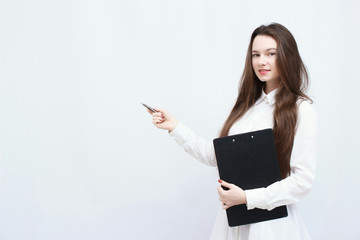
(262, 60)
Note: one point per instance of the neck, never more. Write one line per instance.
(269, 87)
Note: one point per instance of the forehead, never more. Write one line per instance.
(262, 43)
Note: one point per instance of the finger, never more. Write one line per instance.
(158, 110)
(160, 122)
(157, 122)
(158, 119)
(225, 184)
(157, 114)
(162, 112)
(220, 191)
(149, 111)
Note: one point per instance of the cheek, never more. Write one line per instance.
(274, 66)
(276, 72)
(253, 64)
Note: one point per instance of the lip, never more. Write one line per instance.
(263, 71)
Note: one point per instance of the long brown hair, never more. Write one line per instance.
(294, 81)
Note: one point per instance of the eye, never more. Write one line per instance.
(272, 54)
(255, 55)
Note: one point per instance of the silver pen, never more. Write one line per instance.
(150, 108)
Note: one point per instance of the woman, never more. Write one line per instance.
(271, 95)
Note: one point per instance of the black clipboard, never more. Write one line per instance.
(249, 160)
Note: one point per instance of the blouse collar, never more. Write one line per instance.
(268, 98)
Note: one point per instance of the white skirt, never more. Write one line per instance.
(290, 227)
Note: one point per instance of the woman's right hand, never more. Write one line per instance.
(163, 119)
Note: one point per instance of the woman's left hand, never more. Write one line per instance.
(233, 196)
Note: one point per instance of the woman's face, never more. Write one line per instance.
(264, 61)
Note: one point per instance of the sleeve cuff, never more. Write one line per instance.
(255, 198)
(179, 133)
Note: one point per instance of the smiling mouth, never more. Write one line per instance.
(264, 71)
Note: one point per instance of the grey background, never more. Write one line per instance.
(80, 158)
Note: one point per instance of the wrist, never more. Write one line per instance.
(244, 198)
(174, 126)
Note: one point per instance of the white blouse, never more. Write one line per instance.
(285, 192)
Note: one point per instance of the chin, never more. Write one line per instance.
(262, 79)
(265, 78)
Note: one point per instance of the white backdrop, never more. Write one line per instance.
(80, 158)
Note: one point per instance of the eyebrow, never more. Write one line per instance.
(265, 50)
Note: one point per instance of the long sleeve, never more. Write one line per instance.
(302, 164)
(196, 146)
